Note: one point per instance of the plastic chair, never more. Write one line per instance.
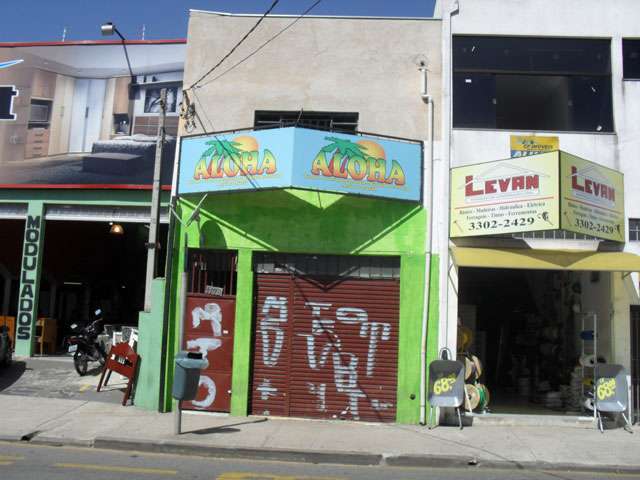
(611, 392)
(48, 334)
(123, 360)
(446, 385)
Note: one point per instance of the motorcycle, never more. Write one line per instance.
(85, 346)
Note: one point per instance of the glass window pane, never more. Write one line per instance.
(578, 56)
(591, 104)
(631, 58)
(474, 97)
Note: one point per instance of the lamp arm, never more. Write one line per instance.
(126, 54)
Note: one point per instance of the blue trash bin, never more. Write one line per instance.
(187, 375)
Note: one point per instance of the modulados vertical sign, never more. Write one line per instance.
(29, 280)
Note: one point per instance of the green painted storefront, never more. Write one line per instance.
(36, 202)
(309, 222)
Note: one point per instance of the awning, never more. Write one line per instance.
(545, 259)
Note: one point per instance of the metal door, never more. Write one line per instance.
(326, 347)
(635, 360)
(208, 329)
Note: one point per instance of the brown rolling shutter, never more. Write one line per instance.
(339, 348)
(271, 354)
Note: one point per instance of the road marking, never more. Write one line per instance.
(11, 458)
(114, 468)
(269, 476)
(85, 387)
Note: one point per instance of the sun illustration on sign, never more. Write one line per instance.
(372, 149)
(363, 160)
(239, 156)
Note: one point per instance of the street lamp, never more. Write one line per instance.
(109, 29)
(152, 245)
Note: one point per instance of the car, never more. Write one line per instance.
(5, 347)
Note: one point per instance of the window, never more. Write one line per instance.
(634, 229)
(212, 272)
(341, 121)
(631, 59)
(522, 83)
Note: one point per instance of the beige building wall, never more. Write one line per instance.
(363, 65)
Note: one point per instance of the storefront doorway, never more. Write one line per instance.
(89, 265)
(635, 360)
(527, 338)
(11, 239)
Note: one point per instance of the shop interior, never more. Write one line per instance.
(86, 265)
(529, 339)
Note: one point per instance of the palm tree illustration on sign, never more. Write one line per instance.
(346, 148)
(222, 148)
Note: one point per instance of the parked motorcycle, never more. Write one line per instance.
(85, 346)
(5, 347)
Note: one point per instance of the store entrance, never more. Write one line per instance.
(89, 265)
(529, 338)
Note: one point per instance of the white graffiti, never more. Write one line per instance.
(211, 312)
(266, 389)
(204, 346)
(320, 391)
(320, 327)
(346, 378)
(376, 331)
(271, 330)
(323, 341)
(211, 393)
(378, 405)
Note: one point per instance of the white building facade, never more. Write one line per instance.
(566, 70)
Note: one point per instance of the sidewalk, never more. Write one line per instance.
(104, 425)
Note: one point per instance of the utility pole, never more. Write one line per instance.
(152, 244)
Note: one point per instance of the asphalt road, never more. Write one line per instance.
(24, 461)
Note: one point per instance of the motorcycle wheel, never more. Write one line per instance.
(102, 357)
(80, 361)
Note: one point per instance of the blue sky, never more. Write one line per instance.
(44, 20)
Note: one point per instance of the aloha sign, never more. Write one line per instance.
(304, 159)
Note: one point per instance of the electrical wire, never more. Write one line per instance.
(246, 35)
(235, 65)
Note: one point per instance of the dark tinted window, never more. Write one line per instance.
(631, 58)
(532, 55)
(532, 84)
(345, 121)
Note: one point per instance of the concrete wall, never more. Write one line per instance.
(367, 66)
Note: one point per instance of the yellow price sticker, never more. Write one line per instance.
(606, 388)
(444, 384)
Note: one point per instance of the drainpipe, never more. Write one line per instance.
(428, 205)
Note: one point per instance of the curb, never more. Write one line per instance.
(470, 463)
(282, 455)
(60, 441)
(317, 456)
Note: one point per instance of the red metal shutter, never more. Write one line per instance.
(345, 349)
(339, 348)
(271, 354)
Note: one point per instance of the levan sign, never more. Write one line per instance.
(549, 191)
(301, 158)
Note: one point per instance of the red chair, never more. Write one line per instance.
(123, 360)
